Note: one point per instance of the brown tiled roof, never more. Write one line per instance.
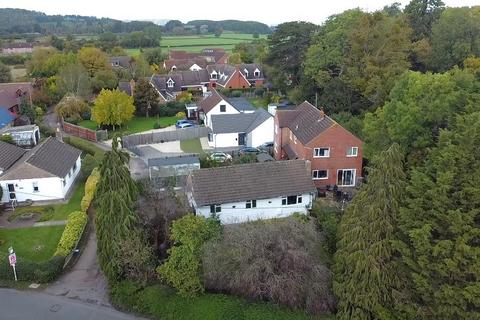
(9, 154)
(8, 93)
(209, 102)
(305, 121)
(184, 64)
(250, 182)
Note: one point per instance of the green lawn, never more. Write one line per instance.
(58, 211)
(192, 146)
(34, 244)
(137, 124)
(258, 103)
(89, 124)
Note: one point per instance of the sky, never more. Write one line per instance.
(270, 12)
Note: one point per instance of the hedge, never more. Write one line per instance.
(90, 188)
(73, 230)
(41, 272)
(83, 145)
(164, 303)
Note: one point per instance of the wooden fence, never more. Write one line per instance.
(164, 136)
(84, 133)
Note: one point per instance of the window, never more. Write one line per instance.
(74, 167)
(291, 200)
(170, 83)
(35, 186)
(251, 204)
(223, 108)
(215, 208)
(210, 137)
(352, 152)
(213, 75)
(320, 174)
(321, 152)
(64, 181)
(346, 177)
(70, 173)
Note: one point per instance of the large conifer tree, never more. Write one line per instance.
(440, 228)
(364, 270)
(116, 219)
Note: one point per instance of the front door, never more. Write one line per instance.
(11, 191)
(241, 139)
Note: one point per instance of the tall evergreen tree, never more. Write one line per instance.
(365, 277)
(440, 228)
(115, 220)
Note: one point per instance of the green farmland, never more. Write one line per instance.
(226, 41)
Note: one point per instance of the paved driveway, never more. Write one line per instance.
(85, 281)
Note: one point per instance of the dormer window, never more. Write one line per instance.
(246, 72)
(170, 83)
(256, 73)
(213, 75)
(174, 68)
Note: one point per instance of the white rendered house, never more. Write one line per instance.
(254, 191)
(44, 173)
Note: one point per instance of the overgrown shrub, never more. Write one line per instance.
(90, 188)
(41, 272)
(83, 145)
(259, 92)
(73, 230)
(271, 260)
(183, 267)
(236, 93)
(45, 130)
(171, 108)
(71, 108)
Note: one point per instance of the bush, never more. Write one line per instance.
(259, 92)
(13, 59)
(236, 93)
(171, 109)
(83, 145)
(45, 130)
(90, 188)
(181, 115)
(162, 302)
(41, 272)
(328, 219)
(73, 230)
(274, 260)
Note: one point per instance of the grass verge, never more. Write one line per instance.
(192, 146)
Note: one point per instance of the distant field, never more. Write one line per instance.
(226, 41)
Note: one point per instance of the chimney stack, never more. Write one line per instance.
(322, 113)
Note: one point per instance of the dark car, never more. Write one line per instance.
(266, 147)
(248, 150)
(184, 124)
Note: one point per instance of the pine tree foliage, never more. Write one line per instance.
(116, 219)
(440, 228)
(365, 278)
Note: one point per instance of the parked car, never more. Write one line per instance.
(248, 150)
(184, 124)
(266, 147)
(220, 156)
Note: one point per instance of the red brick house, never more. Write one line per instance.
(307, 133)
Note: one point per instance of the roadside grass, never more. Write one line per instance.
(33, 244)
(57, 211)
(192, 146)
(161, 302)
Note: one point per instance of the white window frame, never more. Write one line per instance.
(319, 156)
(297, 201)
(35, 185)
(354, 171)
(224, 106)
(217, 208)
(350, 149)
(317, 172)
(250, 204)
(170, 83)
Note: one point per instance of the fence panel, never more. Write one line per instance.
(164, 136)
(80, 132)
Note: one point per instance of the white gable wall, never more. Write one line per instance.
(195, 67)
(48, 188)
(236, 212)
(223, 140)
(229, 109)
(261, 134)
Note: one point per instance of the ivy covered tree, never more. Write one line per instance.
(145, 99)
(365, 276)
(116, 220)
(440, 228)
